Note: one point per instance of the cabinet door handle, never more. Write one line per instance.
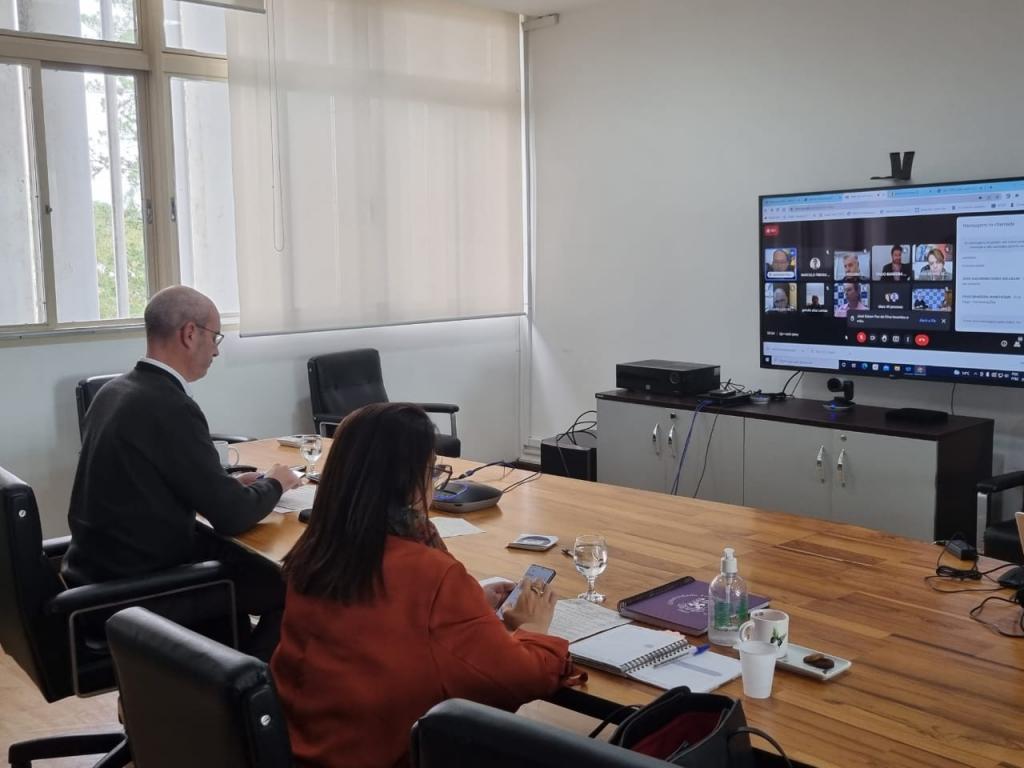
(821, 463)
(655, 433)
(839, 467)
(672, 438)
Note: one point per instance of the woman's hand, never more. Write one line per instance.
(497, 591)
(534, 608)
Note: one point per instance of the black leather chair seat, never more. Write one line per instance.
(1002, 541)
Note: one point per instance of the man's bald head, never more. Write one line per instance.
(172, 308)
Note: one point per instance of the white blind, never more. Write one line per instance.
(377, 163)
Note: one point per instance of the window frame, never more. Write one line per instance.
(153, 64)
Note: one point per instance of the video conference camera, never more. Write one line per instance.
(842, 402)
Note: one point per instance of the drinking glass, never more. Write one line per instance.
(590, 555)
(311, 447)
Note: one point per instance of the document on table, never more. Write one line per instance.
(298, 498)
(577, 618)
(449, 527)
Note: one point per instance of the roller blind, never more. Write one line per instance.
(377, 150)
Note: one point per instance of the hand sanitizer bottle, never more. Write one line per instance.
(727, 602)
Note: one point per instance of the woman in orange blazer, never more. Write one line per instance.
(380, 622)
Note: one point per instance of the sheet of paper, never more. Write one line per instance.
(300, 497)
(702, 673)
(449, 527)
(576, 618)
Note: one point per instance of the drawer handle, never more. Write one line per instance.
(839, 467)
(655, 433)
(672, 438)
(821, 463)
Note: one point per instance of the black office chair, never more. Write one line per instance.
(998, 538)
(459, 733)
(56, 635)
(341, 382)
(188, 700)
(85, 392)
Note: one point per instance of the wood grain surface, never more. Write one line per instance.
(928, 686)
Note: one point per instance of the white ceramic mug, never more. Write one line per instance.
(757, 666)
(228, 455)
(768, 626)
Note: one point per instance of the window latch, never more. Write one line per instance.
(149, 211)
(174, 210)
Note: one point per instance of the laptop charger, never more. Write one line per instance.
(961, 549)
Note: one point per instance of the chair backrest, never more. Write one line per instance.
(189, 700)
(341, 382)
(85, 391)
(38, 643)
(462, 733)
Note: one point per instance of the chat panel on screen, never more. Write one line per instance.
(990, 274)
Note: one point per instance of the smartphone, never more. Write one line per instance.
(533, 573)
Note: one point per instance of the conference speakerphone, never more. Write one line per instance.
(667, 377)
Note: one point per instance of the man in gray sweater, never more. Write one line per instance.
(148, 465)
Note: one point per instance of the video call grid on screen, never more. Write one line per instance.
(945, 262)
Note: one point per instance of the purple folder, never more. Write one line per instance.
(681, 605)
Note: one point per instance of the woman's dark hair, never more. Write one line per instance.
(378, 463)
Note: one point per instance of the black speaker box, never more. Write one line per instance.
(565, 458)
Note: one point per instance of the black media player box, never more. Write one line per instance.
(561, 456)
(667, 377)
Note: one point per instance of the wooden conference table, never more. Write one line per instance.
(928, 686)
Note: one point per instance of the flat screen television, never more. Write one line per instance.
(922, 282)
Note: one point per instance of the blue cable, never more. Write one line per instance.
(682, 458)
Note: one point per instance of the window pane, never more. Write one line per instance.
(92, 153)
(203, 189)
(92, 19)
(194, 27)
(21, 289)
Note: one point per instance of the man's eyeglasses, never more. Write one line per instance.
(441, 474)
(218, 337)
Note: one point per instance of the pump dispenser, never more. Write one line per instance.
(727, 602)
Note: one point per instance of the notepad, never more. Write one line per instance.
(656, 657)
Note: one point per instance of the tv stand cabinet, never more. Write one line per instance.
(916, 480)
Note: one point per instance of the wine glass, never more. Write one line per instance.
(590, 555)
(311, 447)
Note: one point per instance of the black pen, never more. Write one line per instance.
(566, 551)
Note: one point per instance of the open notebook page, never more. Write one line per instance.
(616, 648)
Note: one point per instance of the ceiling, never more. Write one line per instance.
(533, 7)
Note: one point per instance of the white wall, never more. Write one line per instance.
(657, 123)
(258, 386)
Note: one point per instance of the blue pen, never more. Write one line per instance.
(692, 650)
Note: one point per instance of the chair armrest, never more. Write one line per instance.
(321, 420)
(439, 407)
(109, 593)
(54, 548)
(1001, 482)
(231, 438)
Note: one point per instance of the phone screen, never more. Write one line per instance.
(533, 573)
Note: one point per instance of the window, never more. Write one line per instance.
(111, 20)
(204, 199)
(21, 290)
(115, 161)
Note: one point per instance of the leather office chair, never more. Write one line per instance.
(188, 700)
(459, 733)
(341, 382)
(998, 538)
(85, 392)
(56, 635)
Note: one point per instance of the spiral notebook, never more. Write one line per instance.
(655, 656)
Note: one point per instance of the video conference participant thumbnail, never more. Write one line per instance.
(815, 264)
(891, 263)
(852, 265)
(815, 298)
(780, 297)
(852, 297)
(896, 297)
(933, 299)
(933, 261)
(780, 263)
